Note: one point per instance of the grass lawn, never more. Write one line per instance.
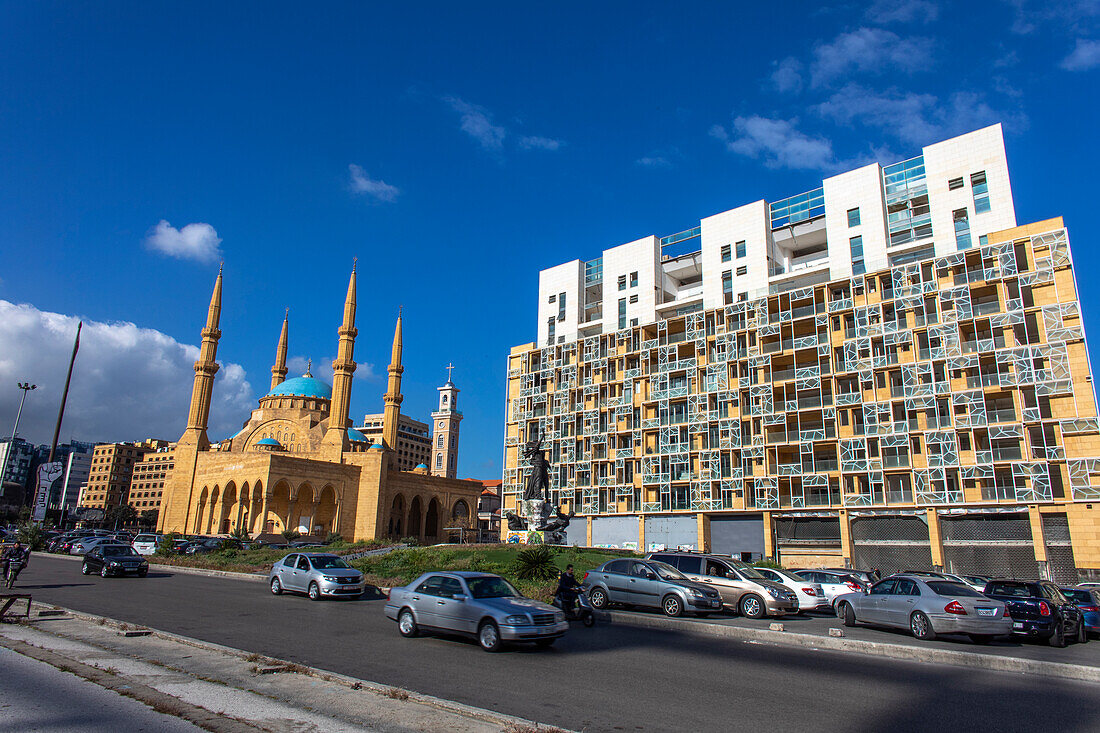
(254, 561)
(400, 567)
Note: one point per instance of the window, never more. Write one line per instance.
(552, 299)
(634, 279)
(439, 441)
(439, 460)
(962, 229)
(983, 240)
(727, 253)
(622, 282)
(622, 312)
(740, 247)
(561, 307)
(980, 188)
(955, 183)
(633, 321)
(633, 299)
(727, 287)
(858, 267)
(741, 297)
(853, 217)
(742, 270)
(551, 328)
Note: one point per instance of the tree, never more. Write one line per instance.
(149, 518)
(121, 515)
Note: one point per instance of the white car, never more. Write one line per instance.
(811, 596)
(976, 582)
(832, 583)
(146, 544)
(82, 547)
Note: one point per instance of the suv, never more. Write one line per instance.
(649, 583)
(146, 544)
(1039, 609)
(742, 588)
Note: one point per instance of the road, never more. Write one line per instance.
(609, 678)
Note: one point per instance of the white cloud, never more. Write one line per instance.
(787, 76)
(777, 142)
(912, 117)
(1085, 55)
(902, 11)
(129, 383)
(477, 122)
(653, 161)
(871, 51)
(376, 189)
(196, 241)
(535, 142)
(322, 369)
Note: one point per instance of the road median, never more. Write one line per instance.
(932, 655)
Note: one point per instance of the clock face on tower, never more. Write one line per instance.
(441, 423)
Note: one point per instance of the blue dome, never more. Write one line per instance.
(421, 465)
(355, 436)
(302, 387)
(269, 441)
(375, 446)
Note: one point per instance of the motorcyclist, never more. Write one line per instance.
(568, 588)
(14, 553)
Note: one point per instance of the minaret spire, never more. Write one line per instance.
(391, 414)
(205, 369)
(342, 370)
(278, 372)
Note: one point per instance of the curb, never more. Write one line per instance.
(485, 715)
(990, 662)
(178, 569)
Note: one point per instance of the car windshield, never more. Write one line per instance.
(325, 562)
(666, 571)
(1015, 590)
(491, 588)
(117, 551)
(951, 589)
(1078, 595)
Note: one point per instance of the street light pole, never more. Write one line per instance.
(26, 387)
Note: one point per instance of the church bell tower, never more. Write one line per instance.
(445, 431)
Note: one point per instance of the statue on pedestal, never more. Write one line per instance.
(535, 510)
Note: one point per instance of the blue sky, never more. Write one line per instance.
(456, 149)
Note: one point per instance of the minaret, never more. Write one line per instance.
(278, 372)
(391, 414)
(342, 370)
(205, 369)
(445, 430)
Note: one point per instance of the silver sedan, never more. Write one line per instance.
(927, 607)
(316, 574)
(481, 605)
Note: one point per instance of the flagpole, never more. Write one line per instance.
(65, 394)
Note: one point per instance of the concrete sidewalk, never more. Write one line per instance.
(229, 690)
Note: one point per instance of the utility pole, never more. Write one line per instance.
(26, 387)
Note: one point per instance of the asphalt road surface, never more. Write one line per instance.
(608, 678)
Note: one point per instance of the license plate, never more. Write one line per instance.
(1017, 625)
(987, 611)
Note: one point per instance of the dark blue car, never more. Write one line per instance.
(1040, 610)
(1088, 601)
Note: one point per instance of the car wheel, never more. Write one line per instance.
(545, 643)
(752, 606)
(489, 637)
(846, 613)
(982, 639)
(1058, 638)
(1082, 632)
(406, 623)
(589, 620)
(276, 587)
(598, 598)
(314, 592)
(921, 627)
(85, 569)
(103, 572)
(672, 605)
(143, 573)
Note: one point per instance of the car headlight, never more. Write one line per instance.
(776, 593)
(515, 620)
(331, 578)
(695, 592)
(559, 617)
(112, 564)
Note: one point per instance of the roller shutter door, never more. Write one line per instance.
(615, 532)
(992, 545)
(672, 532)
(737, 535)
(891, 543)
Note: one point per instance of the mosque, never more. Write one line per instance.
(298, 463)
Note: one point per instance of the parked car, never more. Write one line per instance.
(316, 574)
(652, 584)
(811, 596)
(1088, 600)
(1040, 610)
(974, 581)
(146, 544)
(1090, 585)
(927, 607)
(114, 559)
(866, 578)
(833, 584)
(742, 588)
(64, 543)
(484, 606)
(83, 545)
(211, 544)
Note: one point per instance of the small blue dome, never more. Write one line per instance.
(269, 441)
(302, 387)
(421, 465)
(355, 436)
(375, 446)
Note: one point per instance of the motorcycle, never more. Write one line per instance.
(14, 568)
(580, 610)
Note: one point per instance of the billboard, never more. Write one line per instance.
(49, 484)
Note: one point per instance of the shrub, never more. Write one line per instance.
(535, 563)
(32, 536)
(766, 563)
(240, 534)
(167, 544)
(290, 534)
(410, 541)
(333, 538)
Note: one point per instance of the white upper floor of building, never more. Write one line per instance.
(946, 199)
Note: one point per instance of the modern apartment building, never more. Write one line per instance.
(147, 482)
(885, 371)
(112, 472)
(414, 446)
